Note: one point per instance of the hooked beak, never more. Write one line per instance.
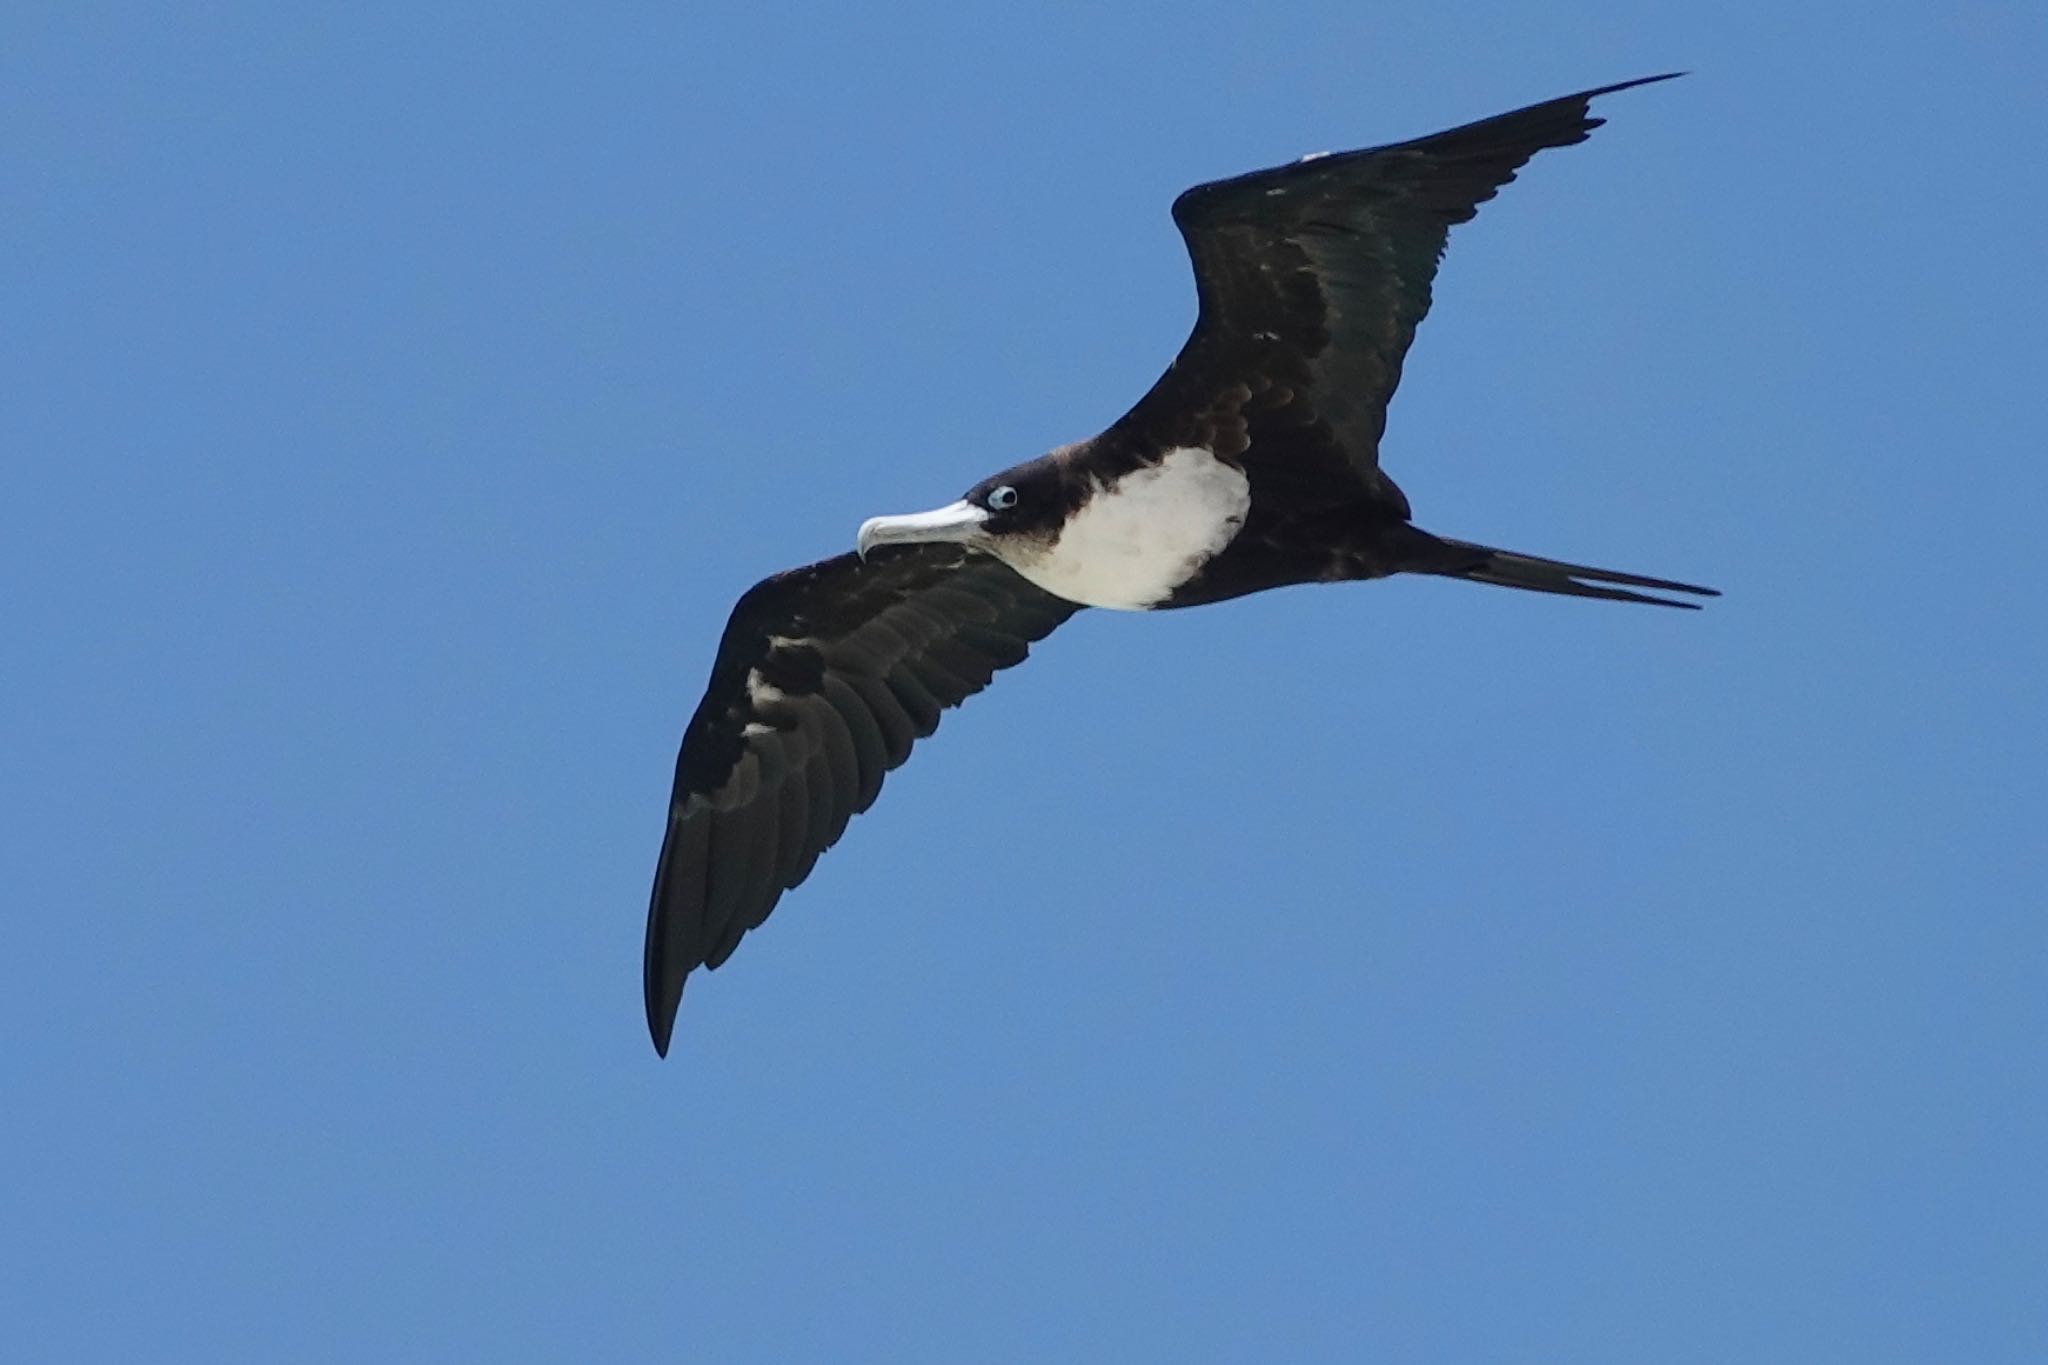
(959, 522)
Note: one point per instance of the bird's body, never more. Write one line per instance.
(1252, 463)
(1134, 543)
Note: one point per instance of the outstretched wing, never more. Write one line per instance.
(824, 678)
(1311, 279)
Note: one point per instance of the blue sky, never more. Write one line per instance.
(399, 397)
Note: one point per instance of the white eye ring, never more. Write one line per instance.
(1002, 499)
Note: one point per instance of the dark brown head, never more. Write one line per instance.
(1024, 503)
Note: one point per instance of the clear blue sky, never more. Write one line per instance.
(395, 403)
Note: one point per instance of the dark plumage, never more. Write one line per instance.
(861, 658)
(1252, 463)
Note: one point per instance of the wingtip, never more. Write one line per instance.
(1632, 84)
(662, 1005)
(1586, 97)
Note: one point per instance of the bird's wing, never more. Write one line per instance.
(824, 678)
(1311, 278)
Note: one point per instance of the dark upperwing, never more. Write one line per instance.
(1311, 278)
(824, 678)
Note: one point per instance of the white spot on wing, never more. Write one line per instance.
(760, 691)
(1132, 543)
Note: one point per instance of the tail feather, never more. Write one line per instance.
(1484, 564)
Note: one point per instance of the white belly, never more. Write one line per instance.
(1132, 544)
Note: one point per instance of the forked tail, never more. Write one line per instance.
(1484, 564)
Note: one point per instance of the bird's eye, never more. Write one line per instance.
(1002, 499)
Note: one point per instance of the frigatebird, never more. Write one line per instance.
(1251, 464)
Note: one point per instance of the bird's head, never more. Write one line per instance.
(1023, 505)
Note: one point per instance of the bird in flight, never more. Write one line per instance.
(1252, 463)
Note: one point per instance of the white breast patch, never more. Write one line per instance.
(1131, 544)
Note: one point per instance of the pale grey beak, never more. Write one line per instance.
(959, 522)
